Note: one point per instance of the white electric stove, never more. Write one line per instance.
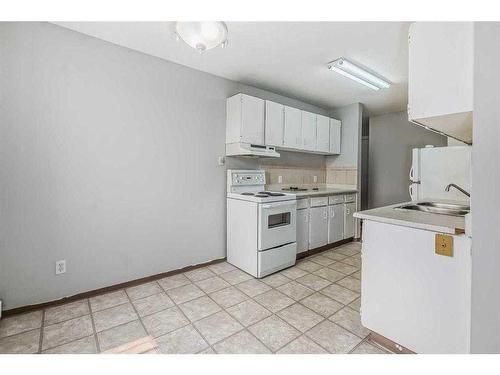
(261, 225)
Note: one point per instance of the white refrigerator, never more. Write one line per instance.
(433, 168)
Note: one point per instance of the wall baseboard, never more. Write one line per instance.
(388, 344)
(128, 284)
(107, 289)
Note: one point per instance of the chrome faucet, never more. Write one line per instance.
(447, 188)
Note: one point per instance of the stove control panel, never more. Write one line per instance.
(246, 177)
(249, 179)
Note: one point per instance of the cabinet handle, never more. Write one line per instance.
(307, 218)
(325, 216)
(332, 214)
(348, 212)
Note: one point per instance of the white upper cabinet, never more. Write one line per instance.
(245, 119)
(293, 128)
(274, 123)
(335, 136)
(440, 80)
(322, 134)
(262, 122)
(308, 131)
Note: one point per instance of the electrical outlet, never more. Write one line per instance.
(315, 178)
(60, 267)
(280, 179)
(221, 161)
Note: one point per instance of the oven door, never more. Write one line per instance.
(277, 224)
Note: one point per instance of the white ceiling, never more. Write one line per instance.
(288, 58)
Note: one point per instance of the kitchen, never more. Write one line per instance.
(219, 214)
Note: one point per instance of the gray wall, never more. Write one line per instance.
(485, 318)
(391, 140)
(350, 146)
(108, 159)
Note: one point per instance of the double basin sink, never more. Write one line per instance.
(438, 208)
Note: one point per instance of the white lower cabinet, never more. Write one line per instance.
(302, 230)
(349, 220)
(318, 227)
(335, 223)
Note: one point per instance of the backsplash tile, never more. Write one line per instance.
(292, 175)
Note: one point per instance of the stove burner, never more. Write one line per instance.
(247, 194)
(261, 195)
(271, 194)
(294, 188)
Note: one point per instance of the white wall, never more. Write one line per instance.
(391, 140)
(485, 206)
(108, 159)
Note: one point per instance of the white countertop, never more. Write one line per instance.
(322, 190)
(415, 219)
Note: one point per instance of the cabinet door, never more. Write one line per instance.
(318, 227)
(252, 120)
(293, 128)
(350, 209)
(335, 136)
(322, 133)
(335, 223)
(274, 124)
(302, 230)
(440, 71)
(308, 131)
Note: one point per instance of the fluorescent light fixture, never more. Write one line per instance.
(357, 74)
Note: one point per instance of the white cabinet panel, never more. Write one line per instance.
(440, 80)
(274, 123)
(335, 223)
(335, 136)
(318, 227)
(252, 120)
(245, 119)
(293, 128)
(302, 230)
(349, 220)
(308, 131)
(322, 133)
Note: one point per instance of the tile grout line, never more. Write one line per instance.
(40, 342)
(97, 344)
(192, 323)
(136, 312)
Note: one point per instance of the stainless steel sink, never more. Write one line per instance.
(438, 208)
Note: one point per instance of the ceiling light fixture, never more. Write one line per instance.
(348, 69)
(202, 35)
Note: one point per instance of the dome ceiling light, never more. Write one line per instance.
(202, 36)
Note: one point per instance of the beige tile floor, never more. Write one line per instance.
(312, 307)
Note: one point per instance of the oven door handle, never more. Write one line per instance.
(279, 204)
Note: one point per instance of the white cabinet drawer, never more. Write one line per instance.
(319, 201)
(276, 259)
(335, 199)
(350, 198)
(302, 203)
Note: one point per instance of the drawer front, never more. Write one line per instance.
(350, 198)
(276, 259)
(335, 199)
(302, 203)
(319, 201)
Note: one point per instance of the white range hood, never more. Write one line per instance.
(250, 150)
